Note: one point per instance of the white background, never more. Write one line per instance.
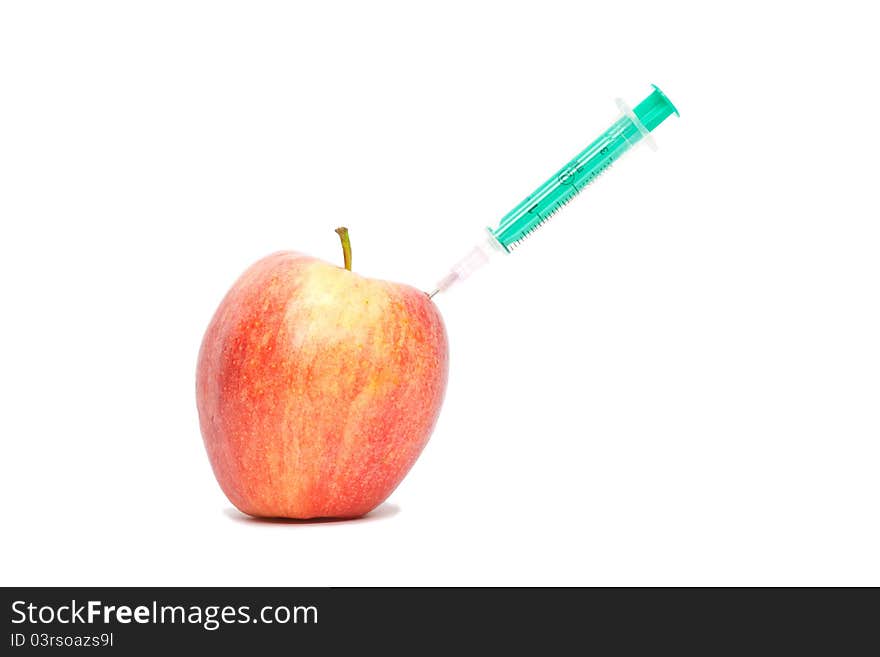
(674, 382)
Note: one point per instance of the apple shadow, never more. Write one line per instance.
(381, 512)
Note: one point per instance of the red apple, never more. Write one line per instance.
(317, 389)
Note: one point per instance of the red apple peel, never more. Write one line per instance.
(317, 389)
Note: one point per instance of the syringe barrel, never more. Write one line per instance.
(632, 127)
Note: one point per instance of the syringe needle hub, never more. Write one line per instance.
(471, 262)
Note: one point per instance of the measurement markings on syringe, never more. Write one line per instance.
(561, 203)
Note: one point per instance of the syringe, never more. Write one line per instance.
(632, 127)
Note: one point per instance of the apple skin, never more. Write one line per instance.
(317, 389)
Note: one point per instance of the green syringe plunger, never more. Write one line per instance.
(633, 126)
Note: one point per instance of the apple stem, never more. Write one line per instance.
(342, 231)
